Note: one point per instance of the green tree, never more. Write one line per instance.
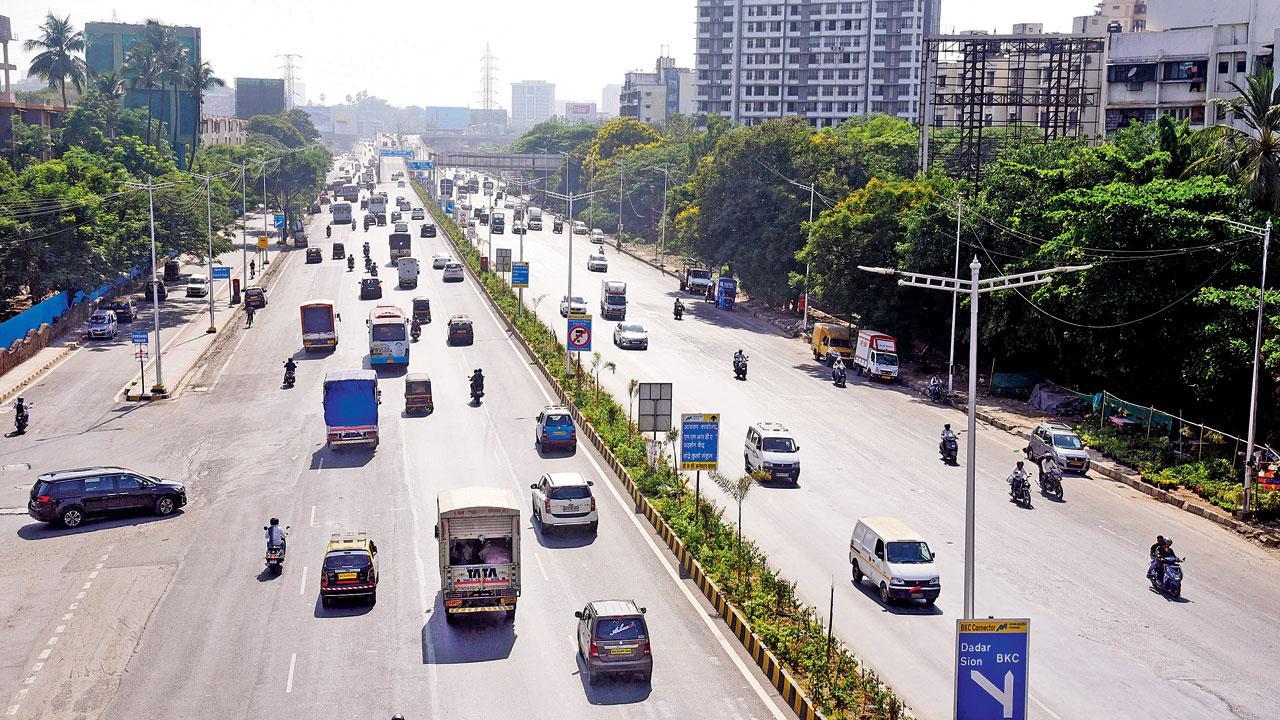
(885, 146)
(615, 136)
(57, 62)
(200, 78)
(301, 122)
(277, 127)
(1251, 155)
(30, 144)
(144, 64)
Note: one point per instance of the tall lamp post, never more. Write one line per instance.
(208, 199)
(150, 187)
(1250, 464)
(973, 287)
(569, 290)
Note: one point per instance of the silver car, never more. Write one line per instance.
(577, 306)
(597, 262)
(631, 335)
(1061, 444)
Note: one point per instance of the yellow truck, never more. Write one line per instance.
(829, 340)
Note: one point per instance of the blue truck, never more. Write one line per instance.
(351, 400)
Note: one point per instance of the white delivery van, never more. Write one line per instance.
(197, 285)
(895, 559)
(407, 268)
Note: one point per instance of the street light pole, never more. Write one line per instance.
(805, 322)
(208, 196)
(149, 186)
(973, 287)
(570, 198)
(662, 239)
(265, 231)
(955, 300)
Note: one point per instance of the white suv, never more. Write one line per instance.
(564, 499)
(769, 446)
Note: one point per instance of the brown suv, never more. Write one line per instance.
(68, 497)
(613, 639)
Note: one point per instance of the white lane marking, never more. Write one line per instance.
(313, 516)
(73, 606)
(98, 566)
(1046, 708)
(37, 667)
(13, 710)
(44, 654)
(68, 616)
(1119, 536)
(628, 510)
(86, 586)
(288, 686)
(80, 595)
(60, 629)
(420, 566)
(30, 679)
(541, 568)
(225, 365)
(93, 574)
(302, 586)
(53, 640)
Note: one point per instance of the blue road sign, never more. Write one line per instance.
(699, 441)
(419, 164)
(519, 274)
(579, 333)
(221, 272)
(140, 337)
(991, 669)
(391, 152)
(448, 206)
(279, 221)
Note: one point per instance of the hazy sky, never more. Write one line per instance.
(428, 52)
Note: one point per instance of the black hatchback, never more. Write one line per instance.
(69, 497)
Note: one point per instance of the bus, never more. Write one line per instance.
(318, 329)
(341, 212)
(388, 336)
(351, 192)
(378, 203)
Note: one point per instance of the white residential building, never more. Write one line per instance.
(223, 131)
(609, 99)
(532, 102)
(826, 61)
(652, 97)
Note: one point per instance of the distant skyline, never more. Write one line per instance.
(429, 54)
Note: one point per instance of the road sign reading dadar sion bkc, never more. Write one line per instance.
(579, 333)
(991, 669)
(699, 441)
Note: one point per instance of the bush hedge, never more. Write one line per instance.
(837, 683)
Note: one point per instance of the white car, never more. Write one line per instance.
(564, 499)
(453, 271)
(578, 306)
(439, 262)
(597, 236)
(771, 447)
(631, 335)
(401, 227)
(197, 285)
(418, 214)
(579, 227)
(597, 261)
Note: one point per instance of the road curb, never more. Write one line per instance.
(35, 375)
(735, 620)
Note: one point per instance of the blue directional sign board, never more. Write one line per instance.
(448, 206)
(519, 274)
(991, 669)
(699, 441)
(391, 152)
(279, 221)
(221, 272)
(579, 333)
(139, 337)
(419, 164)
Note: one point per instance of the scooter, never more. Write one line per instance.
(328, 231)
(373, 269)
(415, 330)
(1169, 581)
(353, 224)
(20, 421)
(740, 369)
(838, 376)
(936, 394)
(351, 263)
(950, 449)
(678, 312)
(289, 377)
(275, 556)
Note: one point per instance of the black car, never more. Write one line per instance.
(124, 308)
(382, 219)
(68, 497)
(157, 286)
(370, 289)
(427, 230)
(314, 255)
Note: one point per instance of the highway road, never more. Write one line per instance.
(175, 617)
(1103, 644)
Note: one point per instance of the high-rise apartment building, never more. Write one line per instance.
(652, 97)
(532, 102)
(1114, 16)
(826, 61)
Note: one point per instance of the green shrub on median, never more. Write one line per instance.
(838, 684)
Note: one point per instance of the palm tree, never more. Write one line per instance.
(110, 85)
(58, 63)
(1251, 155)
(142, 62)
(199, 77)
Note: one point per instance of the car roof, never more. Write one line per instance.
(613, 608)
(459, 318)
(73, 473)
(891, 529)
(347, 541)
(565, 479)
(1057, 427)
(773, 428)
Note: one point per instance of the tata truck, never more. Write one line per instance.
(351, 408)
(400, 245)
(478, 534)
(694, 280)
(535, 218)
(613, 299)
(876, 355)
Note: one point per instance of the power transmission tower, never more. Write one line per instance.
(290, 78)
(488, 93)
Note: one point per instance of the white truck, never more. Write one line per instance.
(876, 355)
(478, 531)
(407, 269)
(535, 218)
(613, 299)
(694, 280)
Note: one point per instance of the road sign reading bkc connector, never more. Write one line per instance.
(579, 333)
(699, 441)
(991, 669)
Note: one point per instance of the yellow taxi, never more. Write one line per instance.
(350, 568)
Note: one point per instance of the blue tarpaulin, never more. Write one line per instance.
(45, 311)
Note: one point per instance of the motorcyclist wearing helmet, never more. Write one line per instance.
(477, 380)
(1160, 549)
(1017, 479)
(276, 535)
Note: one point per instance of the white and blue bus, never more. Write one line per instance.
(388, 336)
(341, 212)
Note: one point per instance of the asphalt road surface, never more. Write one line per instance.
(175, 617)
(1102, 643)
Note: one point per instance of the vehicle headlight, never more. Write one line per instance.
(896, 581)
(935, 580)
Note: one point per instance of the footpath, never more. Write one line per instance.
(1012, 416)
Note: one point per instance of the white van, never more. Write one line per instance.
(769, 446)
(895, 559)
(197, 285)
(407, 268)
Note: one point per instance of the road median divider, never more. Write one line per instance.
(788, 640)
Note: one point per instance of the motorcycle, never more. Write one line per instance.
(289, 377)
(275, 556)
(1169, 580)
(366, 251)
(353, 224)
(477, 392)
(1051, 483)
(366, 228)
(351, 263)
(679, 312)
(838, 376)
(20, 421)
(328, 231)
(1020, 492)
(415, 331)
(373, 269)
(950, 449)
(740, 369)
(936, 394)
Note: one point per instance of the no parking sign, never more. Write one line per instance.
(579, 333)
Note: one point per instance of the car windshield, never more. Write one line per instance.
(559, 420)
(779, 444)
(632, 328)
(577, 301)
(840, 342)
(98, 319)
(887, 359)
(620, 629)
(347, 560)
(1067, 442)
(387, 332)
(569, 492)
(908, 552)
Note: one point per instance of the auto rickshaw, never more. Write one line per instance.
(417, 393)
(557, 226)
(422, 310)
(339, 251)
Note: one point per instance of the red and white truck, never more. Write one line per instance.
(876, 355)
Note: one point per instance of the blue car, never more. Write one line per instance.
(555, 429)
